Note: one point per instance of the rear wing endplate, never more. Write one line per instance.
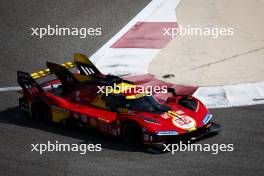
(28, 84)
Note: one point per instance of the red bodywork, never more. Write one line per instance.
(77, 106)
(109, 122)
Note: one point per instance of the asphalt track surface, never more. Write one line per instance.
(241, 126)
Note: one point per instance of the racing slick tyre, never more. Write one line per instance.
(132, 134)
(41, 111)
(23, 108)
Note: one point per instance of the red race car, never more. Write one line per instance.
(111, 105)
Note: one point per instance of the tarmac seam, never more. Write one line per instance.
(223, 60)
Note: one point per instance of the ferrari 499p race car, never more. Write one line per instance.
(139, 118)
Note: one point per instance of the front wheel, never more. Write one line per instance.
(132, 134)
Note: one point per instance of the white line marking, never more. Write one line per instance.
(126, 61)
(231, 95)
(4, 89)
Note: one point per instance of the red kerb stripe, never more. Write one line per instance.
(146, 35)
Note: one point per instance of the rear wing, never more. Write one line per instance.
(46, 72)
(66, 78)
(84, 65)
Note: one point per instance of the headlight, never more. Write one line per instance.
(207, 118)
(167, 133)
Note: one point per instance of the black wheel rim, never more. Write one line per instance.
(42, 112)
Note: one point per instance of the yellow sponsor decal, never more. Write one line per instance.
(173, 114)
(82, 59)
(59, 114)
(192, 129)
(46, 72)
(120, 88)
(129, 97)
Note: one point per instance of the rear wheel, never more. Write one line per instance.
(132, 134)
(41, 111)
(23, 108)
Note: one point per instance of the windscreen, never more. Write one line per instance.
(146, 104)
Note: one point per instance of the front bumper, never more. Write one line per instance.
(203, 132)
